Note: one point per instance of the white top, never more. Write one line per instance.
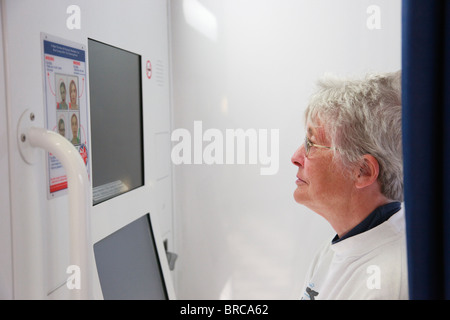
(369, 265)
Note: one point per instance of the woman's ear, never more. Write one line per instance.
(366, 173)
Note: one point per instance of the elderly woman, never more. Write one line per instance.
(350, 172)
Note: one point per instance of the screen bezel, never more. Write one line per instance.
(110, 215)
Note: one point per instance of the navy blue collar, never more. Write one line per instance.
(378, 216)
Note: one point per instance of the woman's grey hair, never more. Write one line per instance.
(363, 116)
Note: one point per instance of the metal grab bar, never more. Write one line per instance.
(79, 203)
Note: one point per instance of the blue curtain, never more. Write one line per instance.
(426, 145)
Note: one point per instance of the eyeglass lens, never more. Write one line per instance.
(307, 146)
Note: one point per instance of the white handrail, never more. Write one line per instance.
(79, 202)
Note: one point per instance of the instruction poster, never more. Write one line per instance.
(65, 100)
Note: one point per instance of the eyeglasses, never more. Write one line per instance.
(309, 144)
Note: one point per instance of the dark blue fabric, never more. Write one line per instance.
(375, 218)
(426, 145)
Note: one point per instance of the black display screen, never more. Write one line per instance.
(115, 89)
(128, 265)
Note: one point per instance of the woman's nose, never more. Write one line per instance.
(298, 158)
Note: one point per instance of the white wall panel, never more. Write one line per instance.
(39, 226)
(6, 286)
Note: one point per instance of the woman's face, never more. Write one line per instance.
(320, 182)
(74, 124)
(73, 93)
